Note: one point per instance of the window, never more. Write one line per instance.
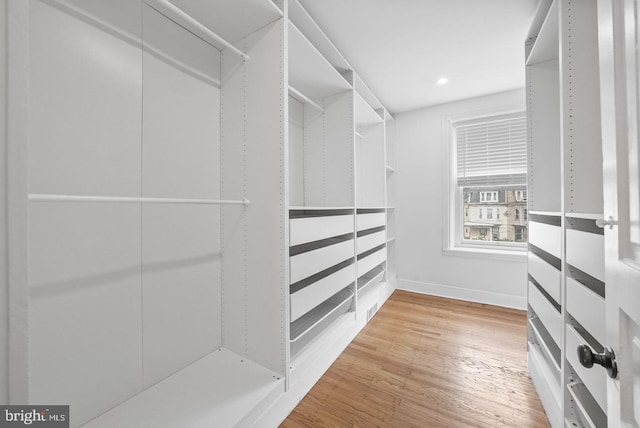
(488, 196)
(521, 195)
(490, 164)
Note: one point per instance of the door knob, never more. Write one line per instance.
(607, 359)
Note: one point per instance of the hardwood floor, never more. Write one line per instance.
(426, 361)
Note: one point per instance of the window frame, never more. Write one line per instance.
(453, 204)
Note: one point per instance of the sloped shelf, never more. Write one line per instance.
(310, 72)
(365, 114)
(232, 20)
(303, 21)
(371, 277)
(305, 324)
(545, 47)
(220, 389)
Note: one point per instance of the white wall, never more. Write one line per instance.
(4, 320)
(422, 138)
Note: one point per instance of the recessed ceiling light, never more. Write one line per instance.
(442, 81)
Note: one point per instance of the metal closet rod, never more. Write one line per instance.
(171, 11)
(37, 197)
(303, 98)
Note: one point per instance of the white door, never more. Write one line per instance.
(619, 36)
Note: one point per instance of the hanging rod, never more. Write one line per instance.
(303, 98)
(172, 12)
(359, 135)
(36, 197)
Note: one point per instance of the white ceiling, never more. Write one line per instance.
(401, 47)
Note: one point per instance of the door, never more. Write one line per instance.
(620, 86)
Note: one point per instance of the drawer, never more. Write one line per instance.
(585, 251)
(372, 260)
(369, 221)
(546, 237)
(303, 230)
(588, 308)
(550, 317)
(368, 242)
(546, 275)
(311, 296)
(306, 264)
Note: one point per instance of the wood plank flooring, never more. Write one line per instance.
(426, 361)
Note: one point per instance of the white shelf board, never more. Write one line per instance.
(364, 113)
(320, 208)
(370, 207)
(309, 71)
(585, 216)
(364, 91)
(220, 389)
(233, 20)
(546, 46)
(547, 213)
(301, 19)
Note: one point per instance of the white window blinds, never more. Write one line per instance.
(492, 151)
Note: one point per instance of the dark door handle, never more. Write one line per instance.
(607, 359)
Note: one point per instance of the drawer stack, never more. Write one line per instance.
(322, 271)
(371, 247)
(586, 392)
(545, 334)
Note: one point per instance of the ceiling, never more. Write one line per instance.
(400, 48)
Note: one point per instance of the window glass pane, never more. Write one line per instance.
(496, 219)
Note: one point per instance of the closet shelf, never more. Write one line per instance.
(306, 323)
(309, 208)
(543, 345)
(585, 216)
(303, 98)
(545, 47)
(301, 19)
(309, 71)
(185, 20)
(37, 197)
(371, 277)
(364, 114)
(231, 20)
(579, 393)
(220, 389)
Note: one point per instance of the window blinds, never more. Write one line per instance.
(492, 151)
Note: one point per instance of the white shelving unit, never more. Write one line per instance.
(566, 248)
(193, 241)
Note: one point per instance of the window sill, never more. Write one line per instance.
(511, 255)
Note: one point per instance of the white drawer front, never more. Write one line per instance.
(546, 237)
(303, 230)
(311, 296)
(367, 242)
(306, 264)
(546, 275)
(586, 252)
(595, 379)
(371, 261)
(588, 308)
(368, 221)
(551, 319)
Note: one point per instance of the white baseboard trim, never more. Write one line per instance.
(467, 294)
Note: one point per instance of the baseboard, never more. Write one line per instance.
(467, 294)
